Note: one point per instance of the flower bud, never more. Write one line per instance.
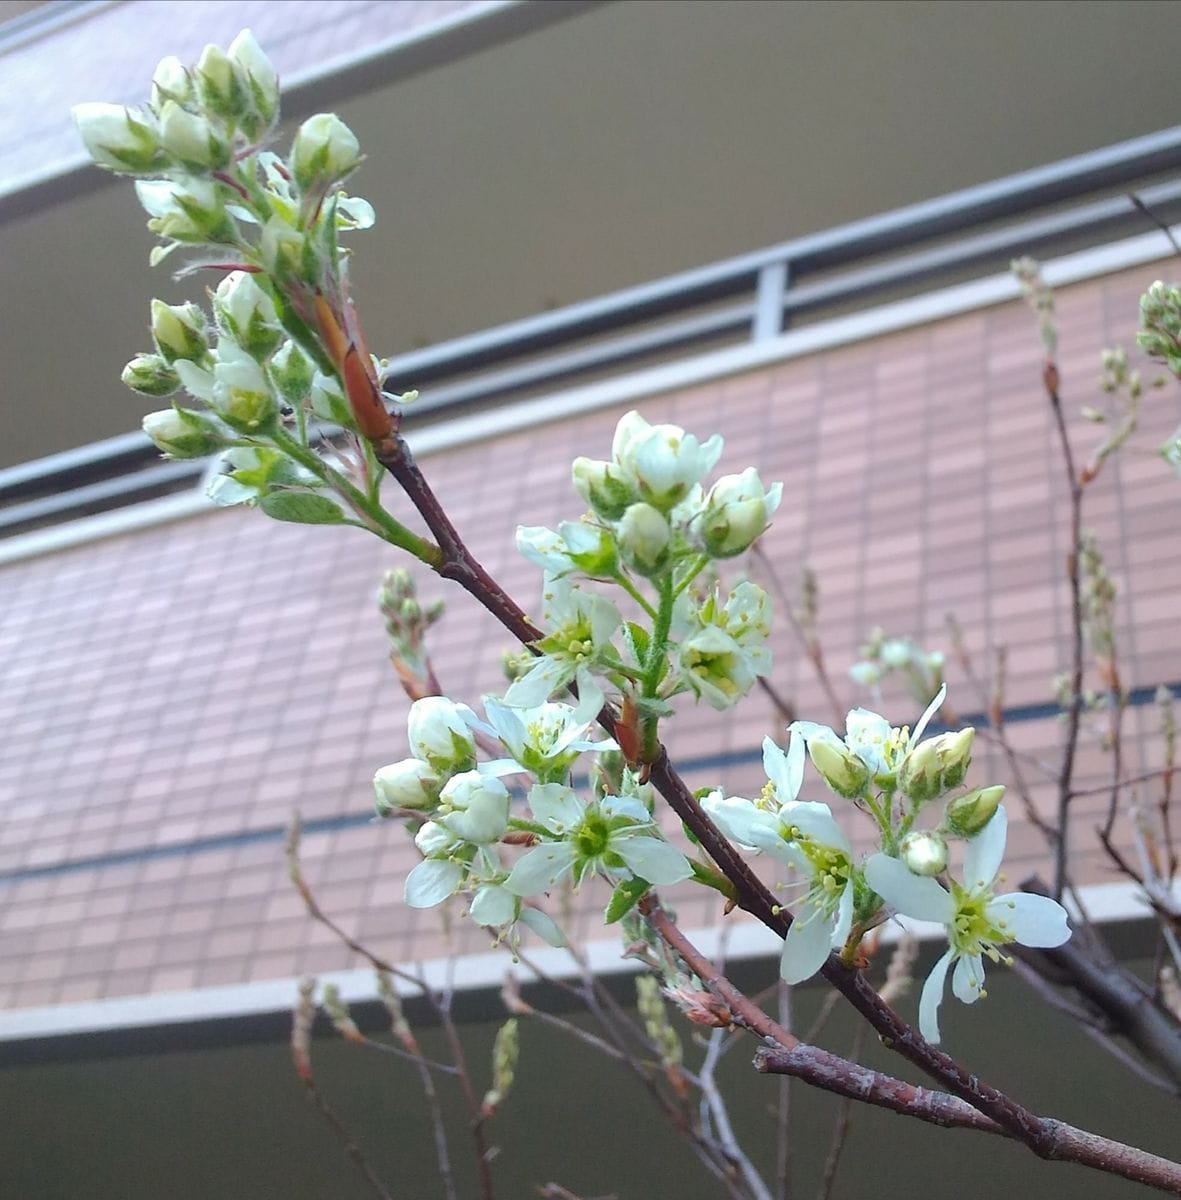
(117, 138)
(185, 211)
(433, 838)
(474, 807)
(292, 374)
(736, 513)
(662, 461)
(936, 765)
(218, 85)
(838, 766)
(602, 487)
(181, 433)
(179, 331)
(150, 375)
(439, 731)
(242, 394)
(261, 80)
(644, 537)
(190, 139)
(247, 314)
(967, 815)
(328, 402)
(282, 249)
(923, 853)
(407, 784)
(325, 151)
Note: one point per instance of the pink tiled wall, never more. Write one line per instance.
(169, 697)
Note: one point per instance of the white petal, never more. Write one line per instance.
(932, 709)
(1031, 920)
(556, 806)
(840, 933)
(932, 997)
(738, 818)
(651, 858)
(543, 925)
(493, 906)
(544, 677)
(968, 979)
(806, 946)
(432, 881)
(816, 822)
(983, 854)
(540, 869)
(626, 806)
(590, 698)
(912, 895)
(785, 771)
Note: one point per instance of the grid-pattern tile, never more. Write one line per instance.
(169, 697)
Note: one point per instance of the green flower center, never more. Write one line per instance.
(592, 838)
(971, 930)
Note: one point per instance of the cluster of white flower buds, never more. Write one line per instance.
(271, 359)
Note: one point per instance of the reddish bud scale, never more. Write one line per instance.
(627, 732)
(356, 373)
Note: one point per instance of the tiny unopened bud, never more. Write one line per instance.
(190, 139)
(179, 331)
(150, 375)
(838, 766)
(171, 81)
(118, 138)
(409, 784)
(967, 815)
(218, 84)
(602, 487)
(935, 766)
(292, 373)
(260, 79)
(924, 853)
(474, 808)
(644, 537)
(181, 433)
(440, 732)
(736, 513)
(247, 314)
(324, 152)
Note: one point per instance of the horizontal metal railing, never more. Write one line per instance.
(1077, 201)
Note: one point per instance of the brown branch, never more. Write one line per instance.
(1039, 1135)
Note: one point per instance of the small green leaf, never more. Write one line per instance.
(625, 897)
(303, 508)
(638, 640)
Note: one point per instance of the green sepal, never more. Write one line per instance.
(625, 897)
(638, 639)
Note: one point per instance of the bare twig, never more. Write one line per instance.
(1046, 1138)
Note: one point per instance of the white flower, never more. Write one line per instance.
(806, 836)
(449, 864)
(977, 920)
(577, 546)
(871, 749)
(242, 394)
(662, 461)
(615, 836)
(581, 626)
(496, 907)
(440, 732)
(715, 667)
(545, 740)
